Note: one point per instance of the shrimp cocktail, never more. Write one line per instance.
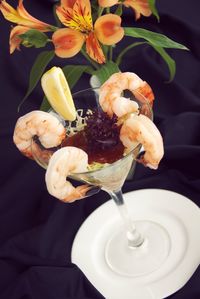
(95, 137)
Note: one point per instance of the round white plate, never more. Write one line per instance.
(177, 214)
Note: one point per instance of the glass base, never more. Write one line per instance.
(141, 260)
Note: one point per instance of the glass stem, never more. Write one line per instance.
(133, 236)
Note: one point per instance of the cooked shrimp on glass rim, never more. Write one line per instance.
(111, 99)
(140, 129)
(134, 129)
(63, 162)
(49, 130)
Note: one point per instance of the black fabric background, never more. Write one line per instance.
(36, 230)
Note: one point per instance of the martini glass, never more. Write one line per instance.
(136, 248)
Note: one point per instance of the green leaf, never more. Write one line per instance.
(156, 39)
(34, 38)
(152, 4)
(37, 70)
(72, 74)
(119, 10)
(169, 61)
(106, 71)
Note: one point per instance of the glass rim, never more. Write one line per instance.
(139, 145)
(84, 90)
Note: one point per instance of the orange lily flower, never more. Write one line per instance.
(140, 7)
(107, 3)
(21, 17)
(25, 21)
(76, 14)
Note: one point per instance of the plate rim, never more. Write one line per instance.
(108, 204)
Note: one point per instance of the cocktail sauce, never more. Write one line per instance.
(95, 153)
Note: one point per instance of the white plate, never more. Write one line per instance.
(176, 213)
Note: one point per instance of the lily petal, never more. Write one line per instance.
(108, 29)
(77, 17)
(67, 42)
(36, 24)
(67, 3)
(107, 3)
(15, 40)
(65, 15)
(9, 12)
(94, 49)
(140, 7)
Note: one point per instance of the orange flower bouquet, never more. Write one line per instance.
(90, 27)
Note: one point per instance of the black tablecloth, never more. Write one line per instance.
(36, 230)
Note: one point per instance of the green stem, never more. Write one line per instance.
(119, 10)
(100, 11)
(107, 9)
(53, 28)
(110, 53)
(105, 50)
(95, 65)
(123, 52)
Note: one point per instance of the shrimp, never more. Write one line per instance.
(62, 163)
(140, 129)
(49, 130)
(110, 97)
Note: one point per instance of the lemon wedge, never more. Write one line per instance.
(57, 91)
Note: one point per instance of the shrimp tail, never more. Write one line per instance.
(141, 159)
(79, 193)
(147, 92)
